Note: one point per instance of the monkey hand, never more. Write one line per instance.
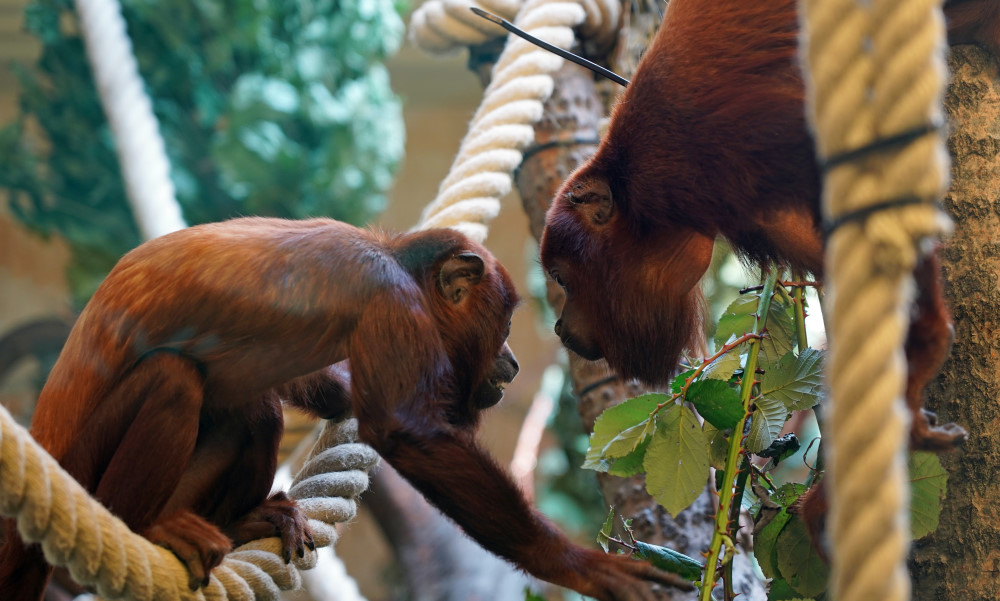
(277, 516)
(196, 542)
(615, 577)
(927, 435)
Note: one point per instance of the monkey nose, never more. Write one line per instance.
(558, 328)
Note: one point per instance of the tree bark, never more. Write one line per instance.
(961, 560)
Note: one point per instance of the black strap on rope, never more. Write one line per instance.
(878, 146)
(865, 212)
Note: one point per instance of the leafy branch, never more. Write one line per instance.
(731, 471)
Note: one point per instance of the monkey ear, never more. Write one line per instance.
(459, 274)
(594, 201)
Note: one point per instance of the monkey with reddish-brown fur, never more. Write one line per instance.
(165, 400)
(710, 139)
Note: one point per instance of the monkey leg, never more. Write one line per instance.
(927, 344)
(277, 516)
(23, 570)
(152, 457)
(246, 511)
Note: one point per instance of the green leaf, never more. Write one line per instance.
(676, 461)
(678, 382)
(795, 381)
(630, 464)
(613, 422)
(602, 536)
(718, 446)
(723, 367)
(628, 440)
(766, 424)
(798, 561)
(788, 493)
(738, 319)
(716, 401)
(765, 544)
(530, 596)
(780, 328)
(669, 560)
(780, 591)
(928, 486)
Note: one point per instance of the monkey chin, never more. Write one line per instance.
(489, 393)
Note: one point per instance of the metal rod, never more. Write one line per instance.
(618, 79)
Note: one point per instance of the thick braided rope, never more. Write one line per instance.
(101, 552)
(873, 73)
(140, 148)
(469, 196)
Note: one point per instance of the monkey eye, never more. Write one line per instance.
(558, 280)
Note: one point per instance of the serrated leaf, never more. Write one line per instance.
(928, 487)
(669, 560)
(766, 424)
(630, 464)
(798, 562)
(738, 319)
(628, 440)
(613, 422)
(676, 461)
(780, 328)
(678, 382)
(718, 446)
(765, 544)
(723, 367)
(605, 532)
(795, 381)
(716, 401)
(788, 493)
(779, 590)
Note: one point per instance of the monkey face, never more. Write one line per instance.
(501, 373)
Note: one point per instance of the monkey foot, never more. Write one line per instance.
(277, 516)
(196, 542)
(926, 435)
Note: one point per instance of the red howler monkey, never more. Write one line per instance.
(165, 401)
(710, 139)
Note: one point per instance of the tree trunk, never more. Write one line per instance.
(961, 560)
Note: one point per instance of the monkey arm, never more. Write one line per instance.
(325, 393)
(465, 483)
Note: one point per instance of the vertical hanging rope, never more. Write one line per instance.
(138, 144)
(875, 71)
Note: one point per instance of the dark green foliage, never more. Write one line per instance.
(669, 560)
(267, 108)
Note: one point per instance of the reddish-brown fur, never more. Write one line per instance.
(710, 139)
(165, 400)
